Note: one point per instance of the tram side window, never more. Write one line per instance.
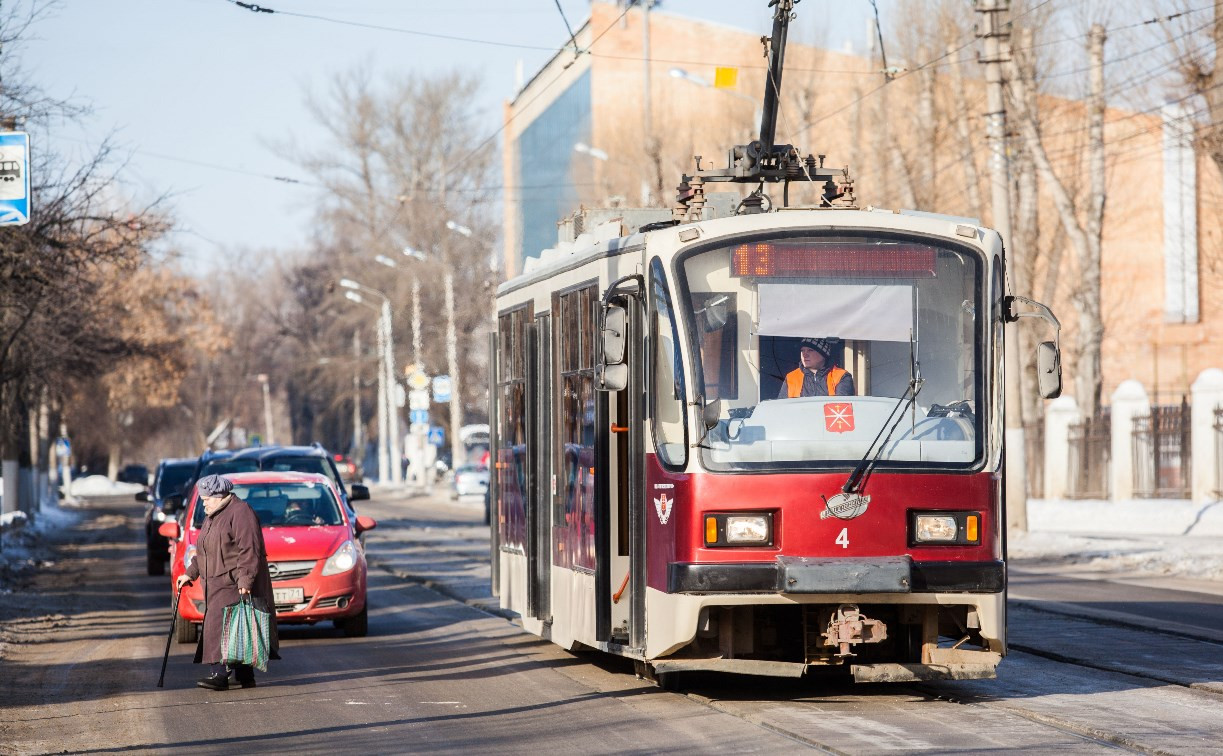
(512, 452)
(667, 394)
(574, 516)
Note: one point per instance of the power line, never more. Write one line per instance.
(380, 27)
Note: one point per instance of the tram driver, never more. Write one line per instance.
(816, 374)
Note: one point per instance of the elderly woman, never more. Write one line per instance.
(231, 557)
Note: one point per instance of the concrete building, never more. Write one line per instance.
(618, 123)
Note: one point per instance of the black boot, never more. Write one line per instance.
(215, 681)
(244, 675)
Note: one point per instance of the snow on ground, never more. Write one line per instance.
(23, 549)
(1150, 537)
(100, 485)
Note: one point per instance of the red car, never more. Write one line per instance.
(315, 556)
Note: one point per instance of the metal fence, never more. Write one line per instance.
(1090, 455)
(1163, 452)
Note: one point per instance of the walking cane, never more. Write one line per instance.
(173, 619)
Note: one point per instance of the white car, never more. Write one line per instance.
(469, 479)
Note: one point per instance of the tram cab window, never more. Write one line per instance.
(898, 314)
(667, 395)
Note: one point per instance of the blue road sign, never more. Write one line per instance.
(441, 388)
(419, 416)
(14, 178)
(437, 435)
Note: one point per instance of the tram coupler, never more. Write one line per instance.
(848, 627)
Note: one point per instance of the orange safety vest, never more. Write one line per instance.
(794, 381)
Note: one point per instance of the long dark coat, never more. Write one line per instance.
(230, 555)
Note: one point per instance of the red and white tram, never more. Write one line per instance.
(662, 491)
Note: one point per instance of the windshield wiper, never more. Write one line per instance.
(857, 479)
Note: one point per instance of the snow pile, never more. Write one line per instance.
(1151, 537)
(100, 485)
(1146, 517)
(10, 520)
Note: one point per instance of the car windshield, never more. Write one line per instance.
(296, 504)
(172, 479)
(809, 348)
(227, 466)
(317, 465)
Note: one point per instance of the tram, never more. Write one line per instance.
(668, 485)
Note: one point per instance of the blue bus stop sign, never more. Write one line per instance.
(14, 178)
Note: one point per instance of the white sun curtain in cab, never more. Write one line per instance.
(898, 313)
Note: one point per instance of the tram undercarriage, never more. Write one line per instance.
(890, 639)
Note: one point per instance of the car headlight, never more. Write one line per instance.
(739, 529)
(158, 515)
(946, 527)
(343, 560)
(188, 557)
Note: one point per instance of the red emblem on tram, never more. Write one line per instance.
(839, 417)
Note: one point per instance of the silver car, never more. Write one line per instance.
(469, 479)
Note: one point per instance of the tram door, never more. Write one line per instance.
(620, 542)
(539, 498)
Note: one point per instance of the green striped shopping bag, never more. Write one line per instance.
(246, 637)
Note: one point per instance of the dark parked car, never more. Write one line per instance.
(308, 459)
(133, 474)
(165, 498)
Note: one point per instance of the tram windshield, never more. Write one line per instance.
(811, 349)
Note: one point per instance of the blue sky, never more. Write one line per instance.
(196, 92)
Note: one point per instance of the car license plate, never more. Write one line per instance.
(289, 595)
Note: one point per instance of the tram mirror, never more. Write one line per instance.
(614, 321)
(710, 413)
(1048, 370)
(611, 377)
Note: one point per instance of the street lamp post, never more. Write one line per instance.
(383, 423)
(388, 371)
(452, 352)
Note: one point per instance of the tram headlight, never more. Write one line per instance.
(962, 528)
(754, 529)
(935, 528)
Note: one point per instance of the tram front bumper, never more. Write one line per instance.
(808, 575)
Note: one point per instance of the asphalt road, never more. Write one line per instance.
(81, 644)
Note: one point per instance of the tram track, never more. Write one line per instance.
(1085, 732)
(805, 722)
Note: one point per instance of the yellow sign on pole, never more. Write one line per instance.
(726, 77)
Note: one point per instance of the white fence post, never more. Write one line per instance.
(1061, 413)
(1206, 395)
(1128, 402)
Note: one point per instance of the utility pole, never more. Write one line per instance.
(268, 438)
(358, 448)
(384, 467)
(452, 364)
(994, 32)
(392, 406)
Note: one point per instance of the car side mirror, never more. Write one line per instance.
(365, 523)
(1048, 370)
(358, 492)
(169, 530)
(710, 413)
(142, 496)
(611, 374)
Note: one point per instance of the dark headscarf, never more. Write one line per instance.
(214, 485)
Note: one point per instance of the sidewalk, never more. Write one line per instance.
(1177, 542)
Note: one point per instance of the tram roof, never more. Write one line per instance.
(604, 240)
